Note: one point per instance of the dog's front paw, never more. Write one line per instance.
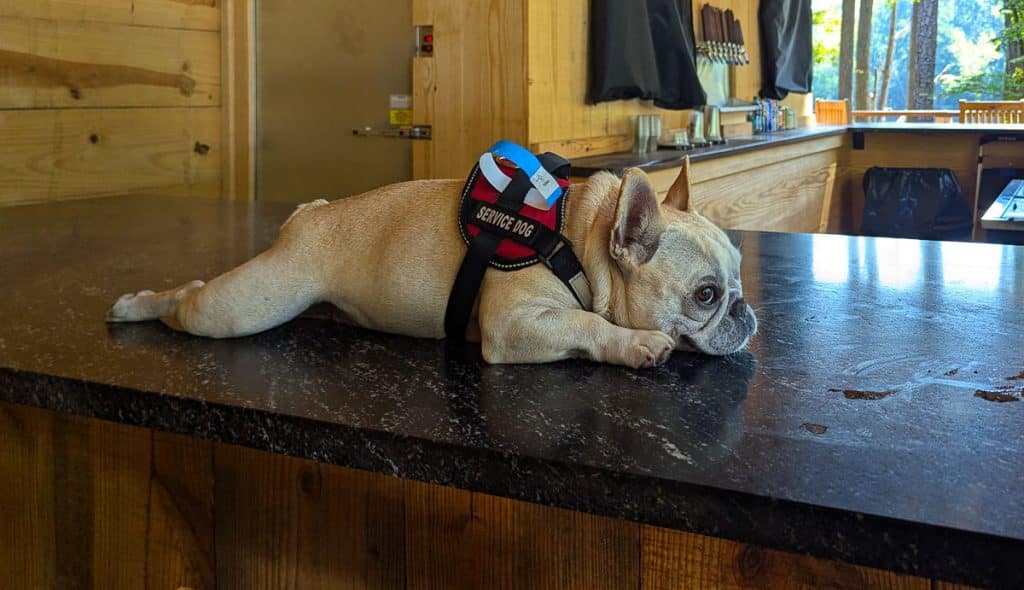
(648, 348)
(127, 308)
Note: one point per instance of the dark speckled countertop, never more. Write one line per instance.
(959, 128)
(662, 159)
(851, 429)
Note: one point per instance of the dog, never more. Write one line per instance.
(662, 277)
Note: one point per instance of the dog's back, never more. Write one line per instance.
(387, 257)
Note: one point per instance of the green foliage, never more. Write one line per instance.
(1013, 11)
(827, 26)
(969, 50)
(983, 86)
(1007, 84)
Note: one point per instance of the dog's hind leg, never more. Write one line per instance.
(266, 291)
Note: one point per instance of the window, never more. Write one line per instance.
(970, 43)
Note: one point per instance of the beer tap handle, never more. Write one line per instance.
(739, 39)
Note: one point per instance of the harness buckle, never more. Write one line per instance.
(561, 242)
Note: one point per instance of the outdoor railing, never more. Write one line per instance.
(909, 116)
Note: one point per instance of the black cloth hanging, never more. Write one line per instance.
(787, 56)
(644, 49)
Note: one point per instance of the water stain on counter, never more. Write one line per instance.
(864, 394)
(814, 428)
(996, 396)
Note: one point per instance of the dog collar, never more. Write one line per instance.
(511, 217)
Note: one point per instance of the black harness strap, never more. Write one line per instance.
(474, 264)
(500, 221)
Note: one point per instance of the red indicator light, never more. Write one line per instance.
(428, 48)
(428, 39)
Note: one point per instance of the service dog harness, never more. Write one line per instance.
(511, 216)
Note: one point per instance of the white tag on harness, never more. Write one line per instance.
(535, 198)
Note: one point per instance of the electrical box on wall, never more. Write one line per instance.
(424, 40)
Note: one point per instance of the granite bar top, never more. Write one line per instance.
(876, 418)
(662, 159)
(959, 128)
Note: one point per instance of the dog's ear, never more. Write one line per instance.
(679, 193)
(638, 221)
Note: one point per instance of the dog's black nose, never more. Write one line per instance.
(738, 308)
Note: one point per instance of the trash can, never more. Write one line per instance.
(921, 203)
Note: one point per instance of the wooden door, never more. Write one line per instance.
(472, 91)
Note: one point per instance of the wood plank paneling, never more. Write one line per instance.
(290, 523)
(478, 94)
(46, 64)
(524, 545)
(174, 14)
(91, 504)
(439, 537)
(673, 559)
(238, 75)
(788, 196)
(27, 537)
(745, 80)
(763, 158)
(785, 188)
(104, 97)
(458, 539)
(117, 460)
(180, 541)
(424, 86)
(54, 154)
(558, 54)
(578, 148)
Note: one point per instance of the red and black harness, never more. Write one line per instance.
(503, 232)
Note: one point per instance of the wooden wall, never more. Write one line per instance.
(91, 504)
(473, 91)
(101, 97)
(787, 188)
(558, 56)
(518, 70)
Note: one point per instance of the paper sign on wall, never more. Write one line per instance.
(400, 109)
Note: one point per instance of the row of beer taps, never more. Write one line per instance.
(723, 37)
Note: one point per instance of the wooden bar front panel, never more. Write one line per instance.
(91, 504)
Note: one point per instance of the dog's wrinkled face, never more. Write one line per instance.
(681, 273)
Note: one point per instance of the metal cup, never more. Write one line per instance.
(713, 127)
(642, 134)
(682, 138)
(697, 128)
(655, 133)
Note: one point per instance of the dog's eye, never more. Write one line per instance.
(706, 295)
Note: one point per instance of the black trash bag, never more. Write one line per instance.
(644, 49)
(787, 55)
(921, 203)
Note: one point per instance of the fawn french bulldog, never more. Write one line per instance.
(662, 277)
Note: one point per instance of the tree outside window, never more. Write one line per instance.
(919, 54)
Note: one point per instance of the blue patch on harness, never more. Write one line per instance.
(540, 178)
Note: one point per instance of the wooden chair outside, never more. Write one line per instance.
(832, 112)
(993, 112)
